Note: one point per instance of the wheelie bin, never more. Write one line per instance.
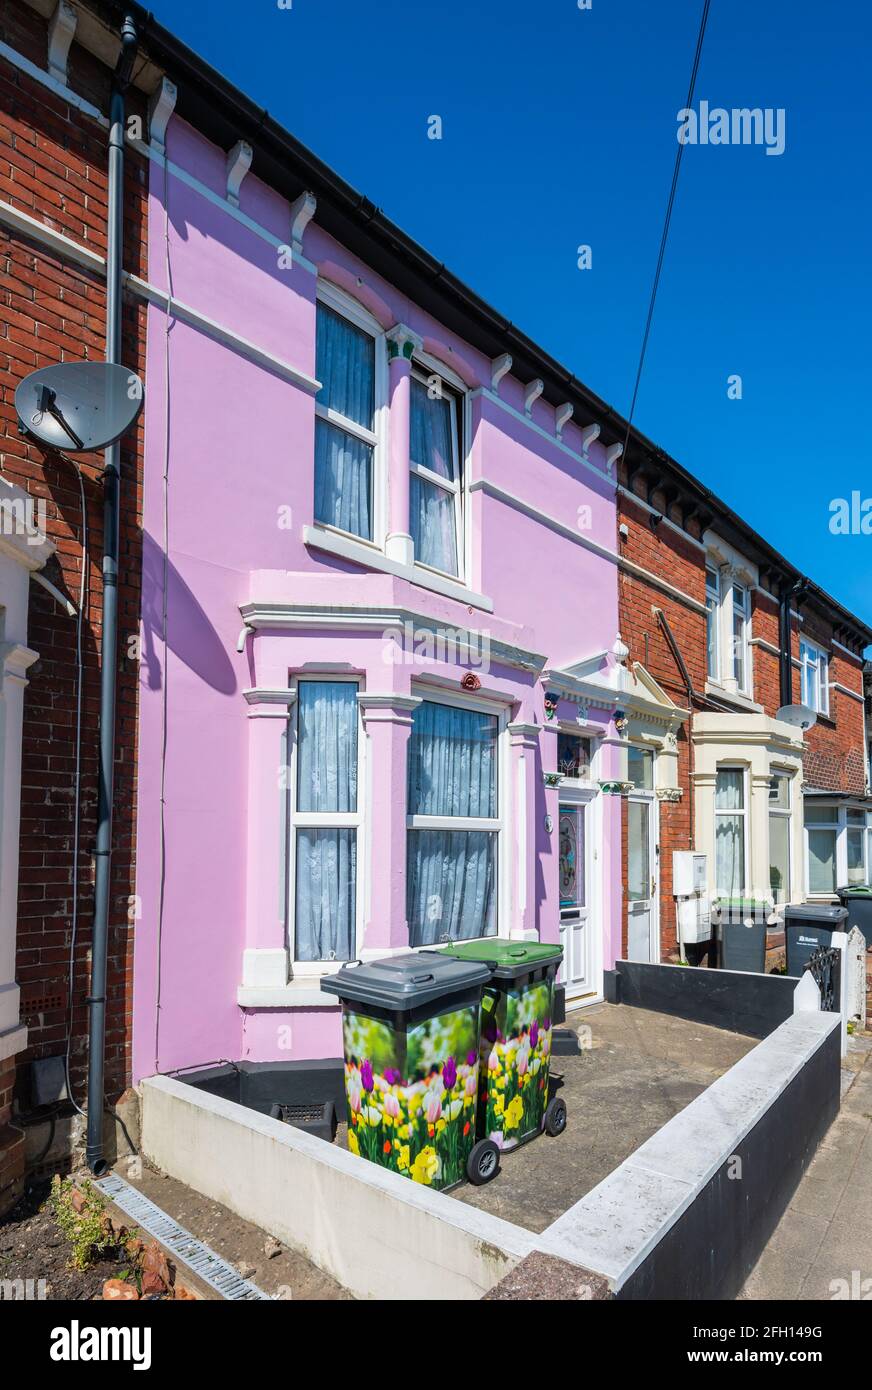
(517, 1016)
(858, 902)
(807, 927)
(741, 934)
(411, 1032)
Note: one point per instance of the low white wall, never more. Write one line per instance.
(380, 1235)
(619, 1223)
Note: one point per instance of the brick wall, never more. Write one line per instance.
(53, 167)
(672, 557)
(11, 1142)
(834, 757)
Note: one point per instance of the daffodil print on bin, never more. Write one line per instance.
(515, 1057)
(411, 1093)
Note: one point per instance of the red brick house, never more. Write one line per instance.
(53, 181)
(704, 605)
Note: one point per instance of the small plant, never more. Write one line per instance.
(82, 1217)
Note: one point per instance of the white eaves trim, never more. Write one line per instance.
(347, 548)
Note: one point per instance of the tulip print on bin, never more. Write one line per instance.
(515, 1059)
(411, 1094)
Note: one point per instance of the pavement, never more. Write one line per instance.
(636, 1070)
(822, 1247)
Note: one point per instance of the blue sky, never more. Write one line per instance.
(559, 128)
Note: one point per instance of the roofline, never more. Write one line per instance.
(215, 106)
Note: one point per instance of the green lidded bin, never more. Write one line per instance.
(410, 1030)
(516, 1022)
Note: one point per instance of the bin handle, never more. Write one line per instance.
(421, 979)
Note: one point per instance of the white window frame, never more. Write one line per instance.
(713, 619)
(424, 367)
(814, 665)
(348, 308)
(497, 824)
(856, 828)
(324, 820)
(744, 812)
(785, 813)
(837, 827)
(740, 641)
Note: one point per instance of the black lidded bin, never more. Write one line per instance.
(410, 1031)
(858, 902)
(807, 927)
(741, 935)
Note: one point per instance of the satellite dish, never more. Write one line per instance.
(799, 715)
(79, 406)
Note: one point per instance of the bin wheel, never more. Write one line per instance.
(483, 1162)
(555, 1117)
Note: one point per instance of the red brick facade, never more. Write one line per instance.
(53, 168)
(661, 535)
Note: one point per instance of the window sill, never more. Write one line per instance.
(360, 553)
(302, 993)
(733, 697)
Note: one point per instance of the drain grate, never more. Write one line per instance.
(214, 1271)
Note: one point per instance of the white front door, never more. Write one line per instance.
(642, 880)
(576, 972)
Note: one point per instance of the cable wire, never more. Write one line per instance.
(665, 236)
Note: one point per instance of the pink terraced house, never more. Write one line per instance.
(380, 529)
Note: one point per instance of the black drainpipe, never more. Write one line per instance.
(790, 593)
(111, 480)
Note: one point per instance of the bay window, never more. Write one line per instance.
(453, 824)
(730, 832)
(325, 821)
(780, 823)
(345, 437)
(435, 500)
(814, 664)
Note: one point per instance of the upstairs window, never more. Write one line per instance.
(435, 519)
(345, 438)
(712, 622)
(814, 664)
(741, 619)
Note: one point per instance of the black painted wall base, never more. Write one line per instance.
(734, 999)
(260, 1085)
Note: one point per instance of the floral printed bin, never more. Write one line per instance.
(515, 1054)
(411, 1043)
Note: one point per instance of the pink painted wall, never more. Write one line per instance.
(236, 442)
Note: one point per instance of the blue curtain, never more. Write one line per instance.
(451, 874)
(432, 508)
(326, 859)
(345, 366)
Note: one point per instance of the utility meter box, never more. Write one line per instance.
(694, 919)
(689, 873)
